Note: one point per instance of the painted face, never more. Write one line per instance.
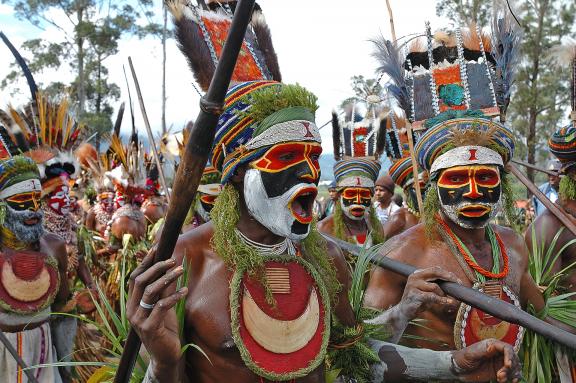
(410, 192)
(281, 186)
(59, 200)
(119, 200)
(470, 195)
(205, 205)
(106, 200)
(25, 201)
(355, 202)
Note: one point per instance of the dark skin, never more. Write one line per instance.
(127, 225)
(413, 247)
(400, 221)
(51, 245)
(154, 208)
(383, 196)
(207, 318)
(545, 227)
(93, 224)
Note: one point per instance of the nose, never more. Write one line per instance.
(35, 204)
(473, 193)
(308, 172)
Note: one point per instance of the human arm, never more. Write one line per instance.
(84, 274)
(394, 225)
(480, 362)
(58, 249)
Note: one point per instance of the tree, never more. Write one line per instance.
(89, 32)
(462, 12)
(540, 101)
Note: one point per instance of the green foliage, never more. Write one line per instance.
(84, 40)
(538, 353)
(349, 353)
(567, 188)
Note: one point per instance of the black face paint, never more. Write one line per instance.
(469, 194)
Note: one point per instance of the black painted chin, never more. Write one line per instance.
(299, 228)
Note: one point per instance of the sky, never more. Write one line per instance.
(319, 44)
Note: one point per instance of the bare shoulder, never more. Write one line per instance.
(195, 246)
(53, 245)
(407, 246)
(515, 241)
(325, 226)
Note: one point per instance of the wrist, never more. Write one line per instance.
(454, 367)
(162, 372)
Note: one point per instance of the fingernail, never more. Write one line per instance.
(178, 269)
(183, 290)
(171, 261)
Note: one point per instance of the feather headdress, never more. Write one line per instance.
(201, 33)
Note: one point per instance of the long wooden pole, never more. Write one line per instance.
(566, 221)
(151, 140)
(193, 161)
(408, 125)
(531, 166)
(495, 307)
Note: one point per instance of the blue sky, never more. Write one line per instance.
(320, 45)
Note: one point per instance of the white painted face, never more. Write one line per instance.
(287, 215)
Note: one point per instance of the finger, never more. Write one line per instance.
(435, 273)
(145, 279)
(426, 287)
(153, 291)
(162, 306)
(143, 266)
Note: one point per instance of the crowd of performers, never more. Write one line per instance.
(263, 289)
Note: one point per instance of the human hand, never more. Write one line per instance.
(421, 291)
(156, 325)
(487, 360)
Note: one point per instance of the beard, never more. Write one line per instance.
(15, 222)
(274, 213)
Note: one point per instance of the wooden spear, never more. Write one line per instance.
(531, 166)
(495, 307)
(408, 126)
(151, 140)
(193, 162)
(566, 221)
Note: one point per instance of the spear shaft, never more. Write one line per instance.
(193, 162)
(495, 307)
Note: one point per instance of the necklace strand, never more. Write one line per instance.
(286, 246)
(497, 248)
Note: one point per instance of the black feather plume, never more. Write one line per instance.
(336, 137)
(20, 60)
(391, 63)
(381, 138)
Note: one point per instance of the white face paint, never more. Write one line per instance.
(277, 214)
(352, 211)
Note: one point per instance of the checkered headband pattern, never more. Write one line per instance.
(359, 172)
(16, 169)
(563, 144)
(235, 128)
(470, 131)
(401, 171)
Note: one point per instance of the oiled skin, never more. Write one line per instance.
(51, 245)
(400, 221)
(545, 227)
(413, 247)
(207, 312)
(93, 224)
(127, 225)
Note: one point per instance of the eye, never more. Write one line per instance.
(456, 178)
(486, 176)
(315, 157)
(287, 156)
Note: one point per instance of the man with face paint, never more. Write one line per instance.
(354, 214)
(263, 285)
(465, 152)
(548, 229)
(33, 263)
(405, 217)
(100, 214)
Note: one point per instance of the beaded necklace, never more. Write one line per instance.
(8, 239)
(462, 252)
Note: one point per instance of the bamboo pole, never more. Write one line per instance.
(531, 166)
(493, 306)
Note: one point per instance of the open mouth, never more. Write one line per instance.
(474, 211)
(302, 203)
(31, 221)
(357, 211)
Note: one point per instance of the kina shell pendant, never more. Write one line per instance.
(473, 325)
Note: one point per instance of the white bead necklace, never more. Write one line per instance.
(284, 247)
